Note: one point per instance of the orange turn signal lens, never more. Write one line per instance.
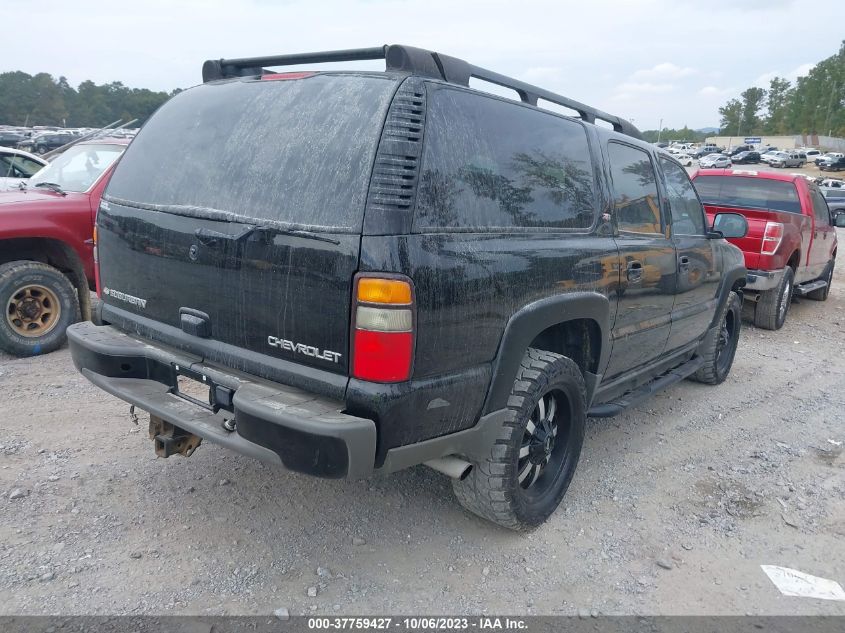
(393, 291)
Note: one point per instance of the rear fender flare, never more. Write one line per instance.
(729, 280)
(524, 326)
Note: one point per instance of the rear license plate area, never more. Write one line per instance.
(193, 387)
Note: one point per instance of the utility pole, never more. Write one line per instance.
(659, 129)
(738, 126)
(829, 106)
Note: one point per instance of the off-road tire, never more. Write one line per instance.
(492, 490)
(768, 313)
(822, 293)
(719, 346)
(16, 275)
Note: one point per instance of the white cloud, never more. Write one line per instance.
(644, 87)
(713, 91)
(542, 74)
(763, 80)
(664, 71)
(799, 71)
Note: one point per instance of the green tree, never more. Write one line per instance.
(779, 96)
(752, 102)
(815, 104)
(43, 100)
(730, 118)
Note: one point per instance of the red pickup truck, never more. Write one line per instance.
(47, 247)
(790, 247)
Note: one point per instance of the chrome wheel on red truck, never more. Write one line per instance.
(823, 293)
(773, 306)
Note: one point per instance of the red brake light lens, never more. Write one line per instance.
(772, 237)
(382, 356)
(283, 76)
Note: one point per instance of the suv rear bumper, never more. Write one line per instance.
(760, 280)
(275, 423)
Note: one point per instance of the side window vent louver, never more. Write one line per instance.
(394, 182)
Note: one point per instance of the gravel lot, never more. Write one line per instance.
(674, 507)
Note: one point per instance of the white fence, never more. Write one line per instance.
(829, 143)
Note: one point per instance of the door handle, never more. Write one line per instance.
(635, 271)
(683, 262)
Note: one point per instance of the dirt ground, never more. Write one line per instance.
(674, 507)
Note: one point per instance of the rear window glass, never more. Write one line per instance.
(297, 152)
(742, 191)
(491, 164)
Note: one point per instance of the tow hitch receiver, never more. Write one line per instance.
(170, 439)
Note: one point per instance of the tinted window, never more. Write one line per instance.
(743, 191)
(820, 209)
(687, 214)
(492, 164)
(636, 203)
(298, 152)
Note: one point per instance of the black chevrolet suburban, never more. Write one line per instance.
(351, 273)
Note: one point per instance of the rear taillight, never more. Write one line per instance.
(772, 237)
(383, 329)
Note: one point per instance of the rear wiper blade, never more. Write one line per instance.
(207, 237)
(52, 186)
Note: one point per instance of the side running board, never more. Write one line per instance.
(615, 407)
(803, 289)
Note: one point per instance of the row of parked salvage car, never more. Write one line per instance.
(833, 161)
(416, 273)
(42, 140)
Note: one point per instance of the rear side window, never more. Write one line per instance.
(687, 214)
(750, 192)
(490, 164)
(820, 208)
(298, 152)
(635, 200)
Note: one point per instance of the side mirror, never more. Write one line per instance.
(729, 225)
(839, 221)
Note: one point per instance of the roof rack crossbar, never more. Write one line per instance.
(419, 62)
(245, 66)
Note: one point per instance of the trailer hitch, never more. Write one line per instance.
(170, 440)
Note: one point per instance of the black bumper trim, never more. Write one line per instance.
(275, 423)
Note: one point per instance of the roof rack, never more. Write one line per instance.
(416, 61)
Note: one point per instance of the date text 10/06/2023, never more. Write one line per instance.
(418, 623)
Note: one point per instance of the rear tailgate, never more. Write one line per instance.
(242, 201)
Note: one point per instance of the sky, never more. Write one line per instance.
(646, 60)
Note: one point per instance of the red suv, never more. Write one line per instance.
(47, 247)
(790, 247)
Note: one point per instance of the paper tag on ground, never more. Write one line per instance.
(792, 582)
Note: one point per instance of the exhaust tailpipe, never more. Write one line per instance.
(451, 466)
